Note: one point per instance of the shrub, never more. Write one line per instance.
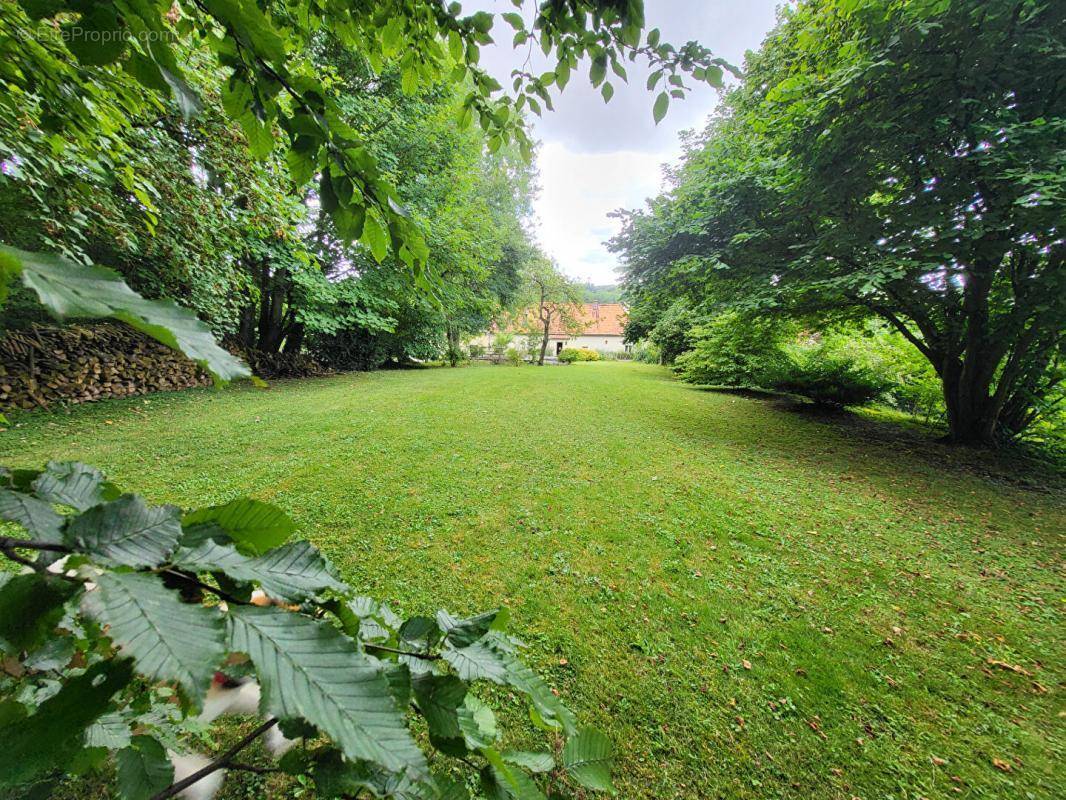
(828, 379)
(673, 332)
(647, 352)
(476, 350)
(733, 350)
(514, 356)
(571, 354)
(97, 652)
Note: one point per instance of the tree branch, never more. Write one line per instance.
(219, 763)
(383, 649)
(9, 543)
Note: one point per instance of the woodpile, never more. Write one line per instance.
(45, 365)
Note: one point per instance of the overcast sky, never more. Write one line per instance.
(596, 157)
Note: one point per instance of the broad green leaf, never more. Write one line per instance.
(143, 769)
(598, 70)
(41, 523)
(168, 640)
(375, 237)
(55, 653)
(662, 103)
(477, 661)
(309, 669)
(462, 632)
(438, 698)
(30, 608)
(253, 525)
(535, 762)
(250, 26)
(111, 731)
(399, 677)
(375, 619)
(587, 757)
(514, 19)
(293, 572)
(71, 483)
(70, 290)
(514, 782)
(336, 777)
(491, 659)
(21, 480)
(477, 722)
(419, 633)
(49, 738)
(98, 37)
(126, 532)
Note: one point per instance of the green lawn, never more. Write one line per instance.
(752, 602)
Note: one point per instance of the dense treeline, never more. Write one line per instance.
(882, 160)
(188, 211)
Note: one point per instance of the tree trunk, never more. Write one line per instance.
(972, 413)
(453, 346)
(294, 339)
(246, 330)
(272, 310)
(544, 340)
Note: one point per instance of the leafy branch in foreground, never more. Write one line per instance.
(148, 603)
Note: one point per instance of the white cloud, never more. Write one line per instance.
(578, 191)
(599, 157)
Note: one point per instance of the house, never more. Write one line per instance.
(597, 326)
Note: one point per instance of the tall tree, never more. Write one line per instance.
(550, 299)
(901, 159)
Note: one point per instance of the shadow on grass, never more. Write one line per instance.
(1014, 465)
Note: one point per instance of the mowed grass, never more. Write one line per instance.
(751, 602)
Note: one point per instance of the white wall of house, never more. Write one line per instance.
(602, 343)
(607, 344)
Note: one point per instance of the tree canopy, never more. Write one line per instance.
(898, 159)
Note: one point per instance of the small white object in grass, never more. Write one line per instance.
(188, 763)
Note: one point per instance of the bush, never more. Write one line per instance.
(514, 357)
(829, 379)
(673, 332)
(571, 354)
(733, 350)
(647, 353)
(476, 350)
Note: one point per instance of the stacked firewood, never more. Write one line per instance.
(45, 365)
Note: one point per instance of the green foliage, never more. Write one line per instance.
(827, 378)
(568, 355)
(126, 156)
(944, 222)
(672, 331)
(734, 350)
(338, 664)
(911, 383)
(607, 293)
(142, 769)
(647, 353)
(514, 356)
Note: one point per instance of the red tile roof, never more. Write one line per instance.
(603, 319)
(599, 319)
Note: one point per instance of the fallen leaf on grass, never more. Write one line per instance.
(1001, 765)
(746, 664)
(993, 662)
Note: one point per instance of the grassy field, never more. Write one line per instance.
(752, 602)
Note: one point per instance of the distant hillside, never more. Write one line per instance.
(608, 293)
